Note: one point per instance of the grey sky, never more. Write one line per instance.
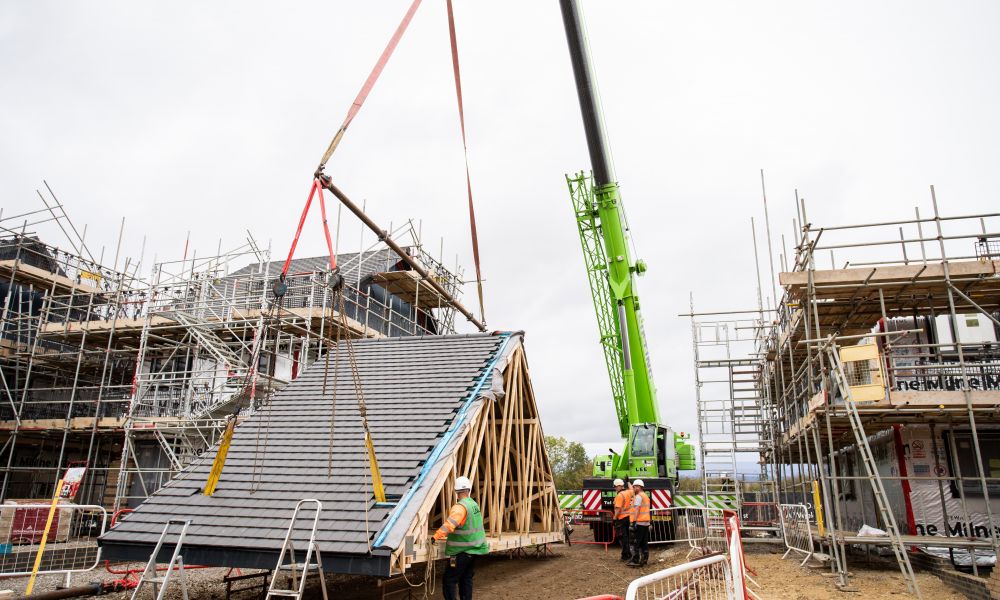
(210, 117)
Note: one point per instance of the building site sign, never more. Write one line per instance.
(978, 379)
(71, 483)
(937, 508)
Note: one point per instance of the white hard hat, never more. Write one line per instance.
(639, 483)
(463, 483)
(619, 482)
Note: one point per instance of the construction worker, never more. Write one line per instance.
(465, 539)
(623, 508)
(640, 523)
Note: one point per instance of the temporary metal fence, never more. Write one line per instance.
(796, 530)
(71, 543)
(701, 528)
(706, 579)
(761, 516)
(599, 521)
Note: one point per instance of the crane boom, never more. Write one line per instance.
(653, 452)
(604, 235)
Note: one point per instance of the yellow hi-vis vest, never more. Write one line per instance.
(469, 537)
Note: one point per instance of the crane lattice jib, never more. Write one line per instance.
(596, 262)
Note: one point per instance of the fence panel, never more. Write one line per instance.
(796, 530)
(678, 524)
(71, 545)
(599, 521)
(703, 529)
(706, 579)
(760, 516)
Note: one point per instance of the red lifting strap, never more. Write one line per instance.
(465, 148)
(316, 188)
(370, 82)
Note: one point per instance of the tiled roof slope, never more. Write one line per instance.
(372, 261)
(413, 388)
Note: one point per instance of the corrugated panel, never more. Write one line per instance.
(413, 388)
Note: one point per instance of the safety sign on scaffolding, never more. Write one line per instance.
(71, 482)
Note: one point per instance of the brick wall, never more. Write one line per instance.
(972, 587)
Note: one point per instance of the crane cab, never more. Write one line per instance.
(651, 452)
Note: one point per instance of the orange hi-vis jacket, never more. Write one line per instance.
(454, 520)
(623, 504)
(640, 510)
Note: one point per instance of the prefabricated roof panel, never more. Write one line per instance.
(299, 447)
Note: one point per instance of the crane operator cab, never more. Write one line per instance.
(653, 451)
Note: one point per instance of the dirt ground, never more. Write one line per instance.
(583, 570)
(571, 572)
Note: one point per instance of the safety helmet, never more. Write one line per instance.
(463, 483)
(639, 483)
(619, 482)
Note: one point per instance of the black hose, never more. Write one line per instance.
(90, 589)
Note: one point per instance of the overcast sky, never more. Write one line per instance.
(210, 118)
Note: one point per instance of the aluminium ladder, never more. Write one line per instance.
(871, 470)
(298, 582)
(149, 573)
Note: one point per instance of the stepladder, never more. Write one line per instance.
(149, 574)
(312, 558)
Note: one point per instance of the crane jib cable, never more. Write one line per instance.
(465, 147)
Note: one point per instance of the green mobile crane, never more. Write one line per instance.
(653, 452)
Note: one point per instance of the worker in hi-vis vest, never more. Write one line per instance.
(641, 521)
(623, 508)
(465, 538)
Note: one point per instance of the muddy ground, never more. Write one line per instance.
(571, 572)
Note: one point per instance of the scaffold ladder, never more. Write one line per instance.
(299, 571)
(871, 469)
(176, 560)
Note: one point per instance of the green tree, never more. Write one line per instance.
(689, 484)
(570, 463)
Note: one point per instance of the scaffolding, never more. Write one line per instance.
(135, 375)
(878, 378)
(732, 428)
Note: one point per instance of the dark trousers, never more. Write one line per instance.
(621, 532)
(459, 572)
(640, 544)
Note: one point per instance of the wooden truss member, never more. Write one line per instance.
(503, 452)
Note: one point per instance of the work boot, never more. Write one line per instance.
(644, 560)
(632, 563)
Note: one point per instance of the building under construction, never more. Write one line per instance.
(152, 387)
(869, 392)
(134, 377)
